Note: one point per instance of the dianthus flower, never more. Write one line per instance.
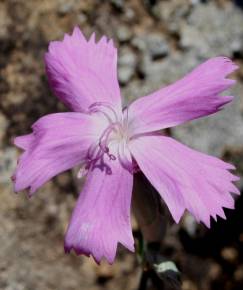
(109, 144)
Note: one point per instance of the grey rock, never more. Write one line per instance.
(157, 46)
(167, 70)
(154, 44)
(127, 57)
(195, 2)
(124, 34)
(129, 14)
(237, 45)
(82, 18)
(125, 74)
(172, 13)
(65, 8)
(8, 159)
(139, 42)
(212, 31)
(126, 65)
(118, 4)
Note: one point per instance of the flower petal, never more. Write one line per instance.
(196, 95)
(24, 142)
(83, 72)
(58, 142)
(185, 179)
(101, 217)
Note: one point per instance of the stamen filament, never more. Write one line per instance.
(96, 107)
(117, 126)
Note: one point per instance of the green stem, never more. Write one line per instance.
(152, 217)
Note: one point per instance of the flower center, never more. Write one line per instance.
(113, 135)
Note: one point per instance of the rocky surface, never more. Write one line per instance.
(159, 41)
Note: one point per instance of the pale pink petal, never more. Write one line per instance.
(196, 95)
(185, 179)
(58, 142)
(24, 142)
(83, 72)
(101, 217)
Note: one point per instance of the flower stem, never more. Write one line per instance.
(152, 217)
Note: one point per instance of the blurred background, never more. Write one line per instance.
(159, 41)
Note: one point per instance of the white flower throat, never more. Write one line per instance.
(115, 135)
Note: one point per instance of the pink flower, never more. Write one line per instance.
(108, 143)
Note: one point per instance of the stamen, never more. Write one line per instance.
(93, 152)
(104, 139)
(96, 151)
(96, 110)
(97, 107)
(112, 157)
(116, 125)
